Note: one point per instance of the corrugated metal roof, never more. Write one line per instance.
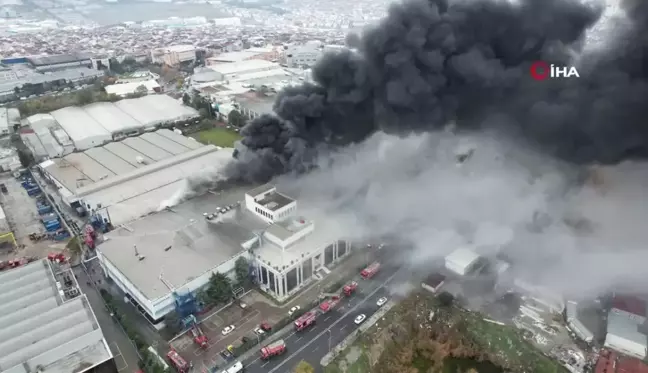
(39, 328)
(630, 304)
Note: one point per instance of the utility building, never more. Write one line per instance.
(625, 327)
(462, 261)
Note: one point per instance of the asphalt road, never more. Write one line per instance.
(330, 329)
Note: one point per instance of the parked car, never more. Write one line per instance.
(228, 329)
(293, 310)
(381, 302)
(360, 318)
(242, 305)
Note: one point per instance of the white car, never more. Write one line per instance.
(360, 318)
(228, 329)
(381, 302)
(259, 331)
(293, 310)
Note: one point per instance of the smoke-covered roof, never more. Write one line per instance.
(194, 244)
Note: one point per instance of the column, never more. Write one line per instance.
(285, 285)
(300, 271)
(276, 281)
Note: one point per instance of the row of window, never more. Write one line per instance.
(261, 212)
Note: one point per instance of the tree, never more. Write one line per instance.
(142, 90)
(304, 367)
(84, 97)
(25, 157)
(172, 322)
(186, 99)
(445, 299)
(242, 270)
(220, 288)
(235, 118)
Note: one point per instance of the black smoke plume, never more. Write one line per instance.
(434, 62)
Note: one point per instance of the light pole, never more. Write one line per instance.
(330, 335)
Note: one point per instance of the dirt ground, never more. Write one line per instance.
(23, 219)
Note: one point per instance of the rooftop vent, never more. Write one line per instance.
(167, 248)
(141, 257)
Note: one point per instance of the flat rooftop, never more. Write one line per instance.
(286, 228)
(275, 201)
(77, 170)
(179, 242)
(39, 328)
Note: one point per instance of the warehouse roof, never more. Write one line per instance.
(142, 191)
(156, 109)
(80, 126)
(629, 304)
(58, 59)
(112, 118)
(180, 241)
(39, 329)
(243, 66)
(123, 89)
(461, 258)
(627, 328)
(116, 159)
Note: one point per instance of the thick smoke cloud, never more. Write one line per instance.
(436, 61)
(369, 131)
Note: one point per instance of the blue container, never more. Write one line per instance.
(42, 210)
(34, 191)
(53, 226)
(49, 218)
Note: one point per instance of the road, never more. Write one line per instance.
(331, 328)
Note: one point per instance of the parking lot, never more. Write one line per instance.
(244, 321)
(23, 219)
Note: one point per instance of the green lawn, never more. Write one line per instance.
(217, 136)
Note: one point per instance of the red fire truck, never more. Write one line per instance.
(329, 304)
(350, 288)
(273, 349)
(370, 271)
(305, 321)
(178, 362)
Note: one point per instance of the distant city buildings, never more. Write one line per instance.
(174, 55)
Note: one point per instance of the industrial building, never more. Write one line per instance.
(9, 118)
(174, 252)
(581, 331)
(463, 261)
(80, 128)
(60, 61)
(125, 89)
(46, 326)
(433, 282)
(611, 362)
(174, 55)
(124, 180)
(625, 332)
(538, 297)
(245, 69)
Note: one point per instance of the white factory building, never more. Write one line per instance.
(178, 249)
(463, 261)
(127, 179)
(79, 128)
(47, 325)
(307, 54)
(574, 323)
(174, 55)
(247, 69)
(625, 331)
(125, 89)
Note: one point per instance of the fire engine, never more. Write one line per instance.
(335, 299)
(370, 271)
(305, 321)
(273, 349)
(178, 362)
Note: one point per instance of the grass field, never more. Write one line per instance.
(217, 136)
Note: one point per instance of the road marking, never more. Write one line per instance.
(211, 344)
(342, 328)
(315, 349)
(254, 361)
(119, 354)
(282, 363)
(327, 318)
(298, 339)
(264, 364)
